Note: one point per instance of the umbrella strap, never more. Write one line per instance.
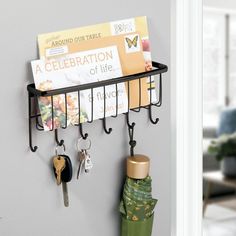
(132, 142)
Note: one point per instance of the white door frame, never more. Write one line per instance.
(186, 117)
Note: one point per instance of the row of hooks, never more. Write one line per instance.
(33, 95)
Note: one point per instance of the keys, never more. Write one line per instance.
(81, 161)
(66, 177)
(84, 158)
(63, 174)
(88, 165)
(65, 194)
(59, 165)
(84, 162)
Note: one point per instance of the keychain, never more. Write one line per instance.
(62, 169)
(84, 158)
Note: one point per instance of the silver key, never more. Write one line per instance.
(82, 155)
(65, 194)
(88, 165)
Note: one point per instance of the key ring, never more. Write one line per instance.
(64, 147)
(80, 140)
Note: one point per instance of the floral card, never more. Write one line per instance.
(75, 69)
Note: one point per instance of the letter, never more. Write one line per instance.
(109, 67)
(101, 56)
(48, 67)
(72, 62)
(94, 70)
(66, 63)
(78, 60)
(55, 65)
(85, 60)
(38, 69)
(109, 55)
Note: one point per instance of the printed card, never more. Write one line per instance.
(75, 69)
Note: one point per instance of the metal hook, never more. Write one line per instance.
(65, 112)
(160, 92)
(108, 131)
(33, 149)
(38, 126)
(131, 126)
(117, 96)
(84, 136)
(150, 104)
(132, 142)
(140, 98)
(59, 143)
(150, 115)
(90, 121)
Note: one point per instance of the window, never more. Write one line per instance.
(214, 82)
(232, 60)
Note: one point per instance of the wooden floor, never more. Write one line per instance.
(220, 219)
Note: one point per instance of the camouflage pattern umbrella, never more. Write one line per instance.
(137, 207)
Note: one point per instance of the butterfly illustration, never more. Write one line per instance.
(133, 42)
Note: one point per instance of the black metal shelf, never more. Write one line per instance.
(34, 93)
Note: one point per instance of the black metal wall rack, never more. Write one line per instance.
(33, 94)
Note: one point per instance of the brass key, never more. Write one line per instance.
(59, 165)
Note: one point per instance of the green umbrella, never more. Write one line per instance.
(137, 207)
(137, 203)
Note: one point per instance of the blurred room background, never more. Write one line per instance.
(219, 117)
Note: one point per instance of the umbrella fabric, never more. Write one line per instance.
(137, 203)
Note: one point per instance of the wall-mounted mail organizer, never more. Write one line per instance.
(34, 94)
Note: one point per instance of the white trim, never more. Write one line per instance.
(219, 10)
(186, 118)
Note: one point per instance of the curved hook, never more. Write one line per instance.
(91, 120)
(64, 127)
(131, 126)
(150, 102)
(59, 143)
(38, 125)
(150, 115)
(108, 131)
(160, 92)
(32, 148)
(84, 136)
(140, 98)
(132, 142)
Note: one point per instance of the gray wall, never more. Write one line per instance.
(30, 201)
